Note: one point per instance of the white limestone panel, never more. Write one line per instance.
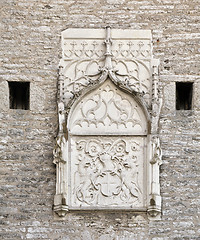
(107, 150)
(107, 111)
(84, 55)
(107, 172)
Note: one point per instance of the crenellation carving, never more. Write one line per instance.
(95, 49)
(132, 49)
(92, 49)
(107, 151)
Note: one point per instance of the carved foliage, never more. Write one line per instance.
(83, 59)
(107, 171)
(108, 110)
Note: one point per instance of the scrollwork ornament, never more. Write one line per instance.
(107, 172)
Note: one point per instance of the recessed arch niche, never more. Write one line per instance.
(107, 151)
(107, 134)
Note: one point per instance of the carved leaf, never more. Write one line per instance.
(106, 110)
(107, 171)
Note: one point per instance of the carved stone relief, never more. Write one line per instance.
(107, 150)
(108, 110)
(107, 172)
(84, 58)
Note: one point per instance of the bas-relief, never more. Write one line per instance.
(108, 110)
(107, 172)
(83, 58)
(107, 152)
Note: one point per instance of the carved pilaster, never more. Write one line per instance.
(108, 54)
(154, 202)
(156, 97)
(60, 199)
(60, 159)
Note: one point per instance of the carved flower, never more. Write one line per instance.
(94, 147)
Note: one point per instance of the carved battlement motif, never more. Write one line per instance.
(107, 151)
(95, 49)
(83, 49)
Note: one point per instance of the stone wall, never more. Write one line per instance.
(30, 51)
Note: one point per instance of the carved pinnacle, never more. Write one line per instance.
(108, 54)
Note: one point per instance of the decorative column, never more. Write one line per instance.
(60, 159)
(154, 205)
(154, 202)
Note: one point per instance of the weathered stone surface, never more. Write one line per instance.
(169, 97)
(37, 98)
(4, 96)
(111, 82)
(84, 55)
(30, 51)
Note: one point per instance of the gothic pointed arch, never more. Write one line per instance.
(107, 150)
(107, 108)
(107, 133)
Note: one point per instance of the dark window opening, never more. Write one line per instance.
(19, 95)
(184, 95)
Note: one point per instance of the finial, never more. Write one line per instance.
(108, 54)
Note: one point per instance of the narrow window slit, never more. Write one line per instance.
(19, 95)
(184, 95)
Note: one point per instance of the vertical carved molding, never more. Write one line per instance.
(154, 202)
(156, 97)
(60, 159)
(108, 54)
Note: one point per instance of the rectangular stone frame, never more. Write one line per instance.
(74, 46)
